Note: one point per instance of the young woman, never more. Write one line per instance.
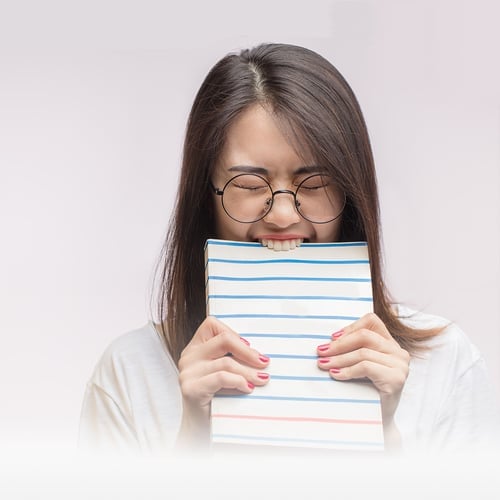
(278, 119)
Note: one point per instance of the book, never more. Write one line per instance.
(286, 304)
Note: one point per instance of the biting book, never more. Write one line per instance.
(285, 304)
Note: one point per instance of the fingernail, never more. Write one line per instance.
(338, 334)
(250, 385)
(263, 376)
(323, 347)
(335, 370)
(244, 340)
(324, 360)
(263, 358)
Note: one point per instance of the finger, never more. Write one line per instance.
(226, 342)
(209, 328)
(388, 380)
(202, 390)
(218, 342)
(369, 321)
(258, 380)
(225, 364)
(353, 358)
(362, 338)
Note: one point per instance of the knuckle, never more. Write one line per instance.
(405, 372)
(364, 365)
(184, 377)
(225, 363)
(224, 337)
(405, 356)
(398, 382)
(390, 389)
(184, 353)
(184, 385)
(220, 377)
(182, 365)
(213, 324)
(365, 335)
(211, 320)
(362, 354)
(402, 379)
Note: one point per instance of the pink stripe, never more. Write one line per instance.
(298, 419)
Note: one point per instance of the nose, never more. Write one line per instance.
(283, 212)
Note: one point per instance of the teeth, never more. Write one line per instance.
(282, 245)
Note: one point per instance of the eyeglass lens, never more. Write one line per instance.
(249, 197)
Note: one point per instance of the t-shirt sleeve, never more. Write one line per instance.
(104, 426)
(132, 401)
(449, 403)
(469, 418)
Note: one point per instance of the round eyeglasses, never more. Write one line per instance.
(249, 197)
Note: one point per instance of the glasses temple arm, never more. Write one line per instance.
(217, 191)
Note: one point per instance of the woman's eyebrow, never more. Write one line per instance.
(251, 169)
(310, 169)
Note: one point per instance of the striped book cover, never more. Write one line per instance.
(286, 304)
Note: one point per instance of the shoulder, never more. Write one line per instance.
(419, 319)
(136, 356)
(144, 340)
(448, 402)
(132, 400)
(452, 345)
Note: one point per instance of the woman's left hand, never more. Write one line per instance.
(365, 348)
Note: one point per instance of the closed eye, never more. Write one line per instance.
(315, 182)
(249, 187)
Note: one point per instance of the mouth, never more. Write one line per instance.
(281, 245)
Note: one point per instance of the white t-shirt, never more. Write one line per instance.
(133, 400)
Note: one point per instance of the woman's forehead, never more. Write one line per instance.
(259, 137)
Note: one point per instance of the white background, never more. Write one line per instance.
(94, 98)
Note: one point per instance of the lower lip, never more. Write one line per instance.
(280, 237)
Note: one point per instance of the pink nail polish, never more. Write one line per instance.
(324, 360)
(335, 371)
(263, 358)
(250, 385)
(263, 376)
(323, 347)
(338, 334)
(245, 341)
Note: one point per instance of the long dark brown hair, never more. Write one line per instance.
(319, 111)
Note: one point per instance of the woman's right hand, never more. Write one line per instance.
(216, 359)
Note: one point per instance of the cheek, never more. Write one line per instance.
(328, 233)
(227, 228)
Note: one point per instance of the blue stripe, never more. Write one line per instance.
(233, 243)
(291, 297)
(288, 261)
(296, 398)
(286, 316)
(365, 381)
(287, 278)
(292, 377)
(291, 356)
(287, 335)
(259, 245)
(375, 444)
